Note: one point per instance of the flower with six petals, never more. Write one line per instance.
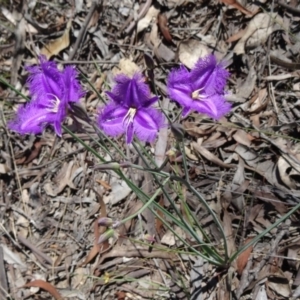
(51, 92)
(130, 110)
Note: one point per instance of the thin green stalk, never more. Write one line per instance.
(263, 233)
(13, 89)
(209, 250)
(147, 204)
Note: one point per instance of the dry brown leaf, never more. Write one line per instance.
(45, 286)
(278, 282)
(163, 26)
(227, 226)
(36, 149)
(259, 164)
(104, 184)
(236, 36)
(192, 128)
(210, 157)
(238, 6)
(259, 102)
(242, 137)
(243, 257)
(285, 171)
(97, 232)
(119, 191)
(264, 21)
(59, 44)
(62, 179)
(120, 295)
(247, 87)
(269, 197)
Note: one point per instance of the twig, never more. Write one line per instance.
(142, 12)
(83, 29)
(246, 278)
(81, 62)
(3, 279)
(34, 249)
(289, 8)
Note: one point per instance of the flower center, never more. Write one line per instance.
(129, 116)
(53, 104)
(196, 95)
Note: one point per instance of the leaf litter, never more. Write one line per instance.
(246, 166)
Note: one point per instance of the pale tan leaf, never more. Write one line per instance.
(242, 137)
(190, 51)
(161, 145)
(279, 283)
(149, 17)
(59, 44)
(126, 67)
(209, 156)
(284, 169)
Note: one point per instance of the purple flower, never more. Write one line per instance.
(130, 110)
(51, 92)
(201, 89)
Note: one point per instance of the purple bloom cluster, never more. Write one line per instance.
(51, 92)
(130, 110)
(201, 89)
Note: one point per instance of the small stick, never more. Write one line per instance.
(83, 28)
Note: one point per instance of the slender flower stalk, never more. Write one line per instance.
(51, 93)
(130, 110)
(201, 89)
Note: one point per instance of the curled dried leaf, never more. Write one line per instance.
(45, 286)
(238, 6)
(163, 26)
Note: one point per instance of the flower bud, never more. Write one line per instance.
(149, 238)
(108, 166)
(106, 235)
(105, 221)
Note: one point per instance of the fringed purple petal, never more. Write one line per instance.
(147, 123)
(129, 133)
(45, 81)
(186, 111)
(202, 71)
(179, 87)
(214, 106)
(72, 88)
(30, 119)
(111, 119)
(209, 75)
(218, 80)
(130, 92)
(130, 111)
